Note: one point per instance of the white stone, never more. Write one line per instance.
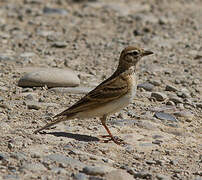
(50, 77)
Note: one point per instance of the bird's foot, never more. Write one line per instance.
(115, 139)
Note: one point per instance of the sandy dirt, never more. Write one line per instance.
(87, 37)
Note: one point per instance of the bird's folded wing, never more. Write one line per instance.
(109, 90)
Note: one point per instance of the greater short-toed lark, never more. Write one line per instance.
(110, 96)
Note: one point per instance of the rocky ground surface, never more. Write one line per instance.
(83, 40)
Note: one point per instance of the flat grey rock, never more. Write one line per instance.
(165, 116)
(50, 77)
(48, 10)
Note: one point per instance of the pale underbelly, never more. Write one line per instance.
(108, 108)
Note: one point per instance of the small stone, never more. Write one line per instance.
(162, 177)
(92, 170)
(6, 58)
(180, 106)
(199, 105)
(170, 103)
(157, 141)
(50, 77)
(33, 105)
(146, 124)
(165, 116)
(186, 114)
(150, 162)
(118, 175)
(196, 81)
(30, 97)
(80, 176)
(59, 44)
(3, 157)
(175, 99)
(146, 86)
(171, 88)
(158, 96)
(183, 94)
(144, 175)
(57, 170)
(34, 167)
(155, 82)
(48, 10)
(19, 156)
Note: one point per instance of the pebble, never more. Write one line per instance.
(118, 175)
(158, 96)
(175, 99)
(165, 116)
(58, 170)
(146, 86)
(34, 167)
(60, 158)
(155, 82)
(33, 105)
(18, 155)
(199, 105)
(186, 114)
(48, 10)
(147, 125)
(59, 44)
(6, 58)
(30, 96)
(162, 177)
(80, 176)
(50, 77)
(183, 94)
(143, 175)
(150, 162)
(75, 90)
(3, 157)
(92, 170)
(171, 88)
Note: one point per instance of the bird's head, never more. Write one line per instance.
(131, 55)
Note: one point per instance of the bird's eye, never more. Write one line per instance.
(135, 53)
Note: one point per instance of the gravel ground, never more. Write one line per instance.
(163, 125)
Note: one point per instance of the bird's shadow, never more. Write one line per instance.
(78, 137)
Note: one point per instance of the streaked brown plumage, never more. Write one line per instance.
(110, 96)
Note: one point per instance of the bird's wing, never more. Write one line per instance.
(111, 89)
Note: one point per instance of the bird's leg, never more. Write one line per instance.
(115, 139)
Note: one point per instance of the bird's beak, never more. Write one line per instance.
(146, 53)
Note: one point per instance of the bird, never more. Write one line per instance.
(110, 96)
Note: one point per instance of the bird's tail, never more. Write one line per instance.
(59, 119)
